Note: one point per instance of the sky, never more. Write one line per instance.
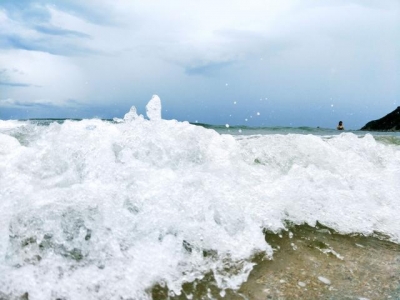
(254, 62)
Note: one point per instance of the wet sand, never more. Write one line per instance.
(312, 263)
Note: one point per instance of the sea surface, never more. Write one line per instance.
(146, 208)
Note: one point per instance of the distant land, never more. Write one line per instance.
(390, 122)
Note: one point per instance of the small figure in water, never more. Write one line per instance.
(340, 126)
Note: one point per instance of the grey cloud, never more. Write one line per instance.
(52, 39)
(208, 69)
(95, 14)
(45, 45)
(75, 103)
(26, 11)
(20, 104)
(5, 78)
(14, 84)
(239, 46)
(52, 30)
(36, 12)
(32, 104)
(5, 71)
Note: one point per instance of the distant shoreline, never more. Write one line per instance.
(224, 126)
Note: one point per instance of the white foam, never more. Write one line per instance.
(153, 108)
(112, 209)
(10, 124)
(8, 144)
(132, 115)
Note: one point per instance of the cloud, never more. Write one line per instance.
(39, 11)
(113, 53)
(16, 42)
(26, 11)
(6, 74)
(42, 103)
(24, 71)
(208, 69)
(92, 11)
(14, 84)
(53, 30)
(41, 33)
(19, 104)
(56, 47)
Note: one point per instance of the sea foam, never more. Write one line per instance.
(94, 209)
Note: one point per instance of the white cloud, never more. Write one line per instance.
(51, 77)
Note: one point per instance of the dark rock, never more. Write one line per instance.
(390, 122)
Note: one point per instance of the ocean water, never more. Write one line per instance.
(141, 208)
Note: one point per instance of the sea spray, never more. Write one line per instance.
(97, 209)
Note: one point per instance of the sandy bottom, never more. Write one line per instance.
(312, 263)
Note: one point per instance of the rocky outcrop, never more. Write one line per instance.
(390, 122)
